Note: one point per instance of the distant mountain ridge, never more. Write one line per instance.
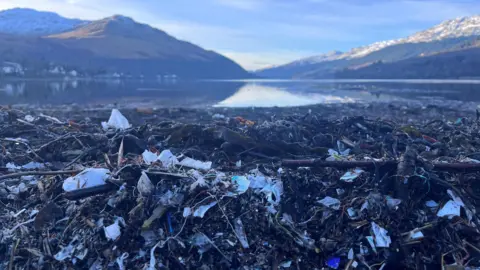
(24, 21)
(113, 45)
(452, 35)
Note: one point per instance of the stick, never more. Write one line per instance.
(13, 175)
(317, 163)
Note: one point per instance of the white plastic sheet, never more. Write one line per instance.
(116, 121)
(196, 164)
(330, 202)
(167, 158)
(201, 210)
(351, 175)
(90, 177)
(149, 157)
(381, 236)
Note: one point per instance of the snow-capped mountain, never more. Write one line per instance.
(448, 35)
(460, 27)
(24, 21)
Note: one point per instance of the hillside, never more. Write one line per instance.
(452, 35)
(117, 45)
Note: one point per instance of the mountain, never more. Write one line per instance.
(452, 35)
(24, 21)
(113, 45)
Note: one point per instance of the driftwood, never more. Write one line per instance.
(318, 163)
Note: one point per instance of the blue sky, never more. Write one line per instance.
(260, 33)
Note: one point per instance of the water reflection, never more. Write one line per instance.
(172, 93)
(256, 95)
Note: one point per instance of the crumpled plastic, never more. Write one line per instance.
(116, 121)
(351, 175)
(330, 202)
(196, 164)
(90, 177)
(381, 236)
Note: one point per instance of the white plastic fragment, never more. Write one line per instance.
(90, 177)
(33, 165)
(450, 209)
(372, 243)
(218, 116)
(149, 157)
(238, 164)
(51, 119)
(16, 140)
(431, 204)
(167, 158)
(144, 185)
(273, 192)
(187, 211)
(354, 264)
(351, 175)
(413, 235)
(392, 203)
(242, 184)
(200, 180)
(12, 166)
(116, 121)
(285, 264)
(240, 233)
(381, 236)
(352, 213)
(65, 253)
(201, 210)
(120, 259)
(350, 254)
(330, 202)
(112, 232)
(196, 164)
(29, 118)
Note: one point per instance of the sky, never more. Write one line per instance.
(261, 33)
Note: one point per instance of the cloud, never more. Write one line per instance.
(242, 4)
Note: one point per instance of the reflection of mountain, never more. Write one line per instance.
(255, 95)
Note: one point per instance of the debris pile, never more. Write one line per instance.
(236, 189)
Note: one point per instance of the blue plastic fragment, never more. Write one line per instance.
(169, 221)
(333, 262)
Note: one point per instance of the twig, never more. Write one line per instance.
(13, 175)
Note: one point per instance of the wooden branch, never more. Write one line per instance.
(19, 174)
(317, 163)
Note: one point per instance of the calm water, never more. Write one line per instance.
(260, 93)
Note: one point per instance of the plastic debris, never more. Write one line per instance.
(333, 262)
(113, 232)
(381, 237)
(116, 121)
(392, 203)
(167, 158)
(350, 254)
(196, 164)
(202, 242)
(201, 210)
(241, 183)
(286, 264)
(450, 209)
(149, 157)
(351, 175)
(90, 177)
(144, 185)
(330, 203)
(240, 233)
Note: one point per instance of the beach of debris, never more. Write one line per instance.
(336, 186)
